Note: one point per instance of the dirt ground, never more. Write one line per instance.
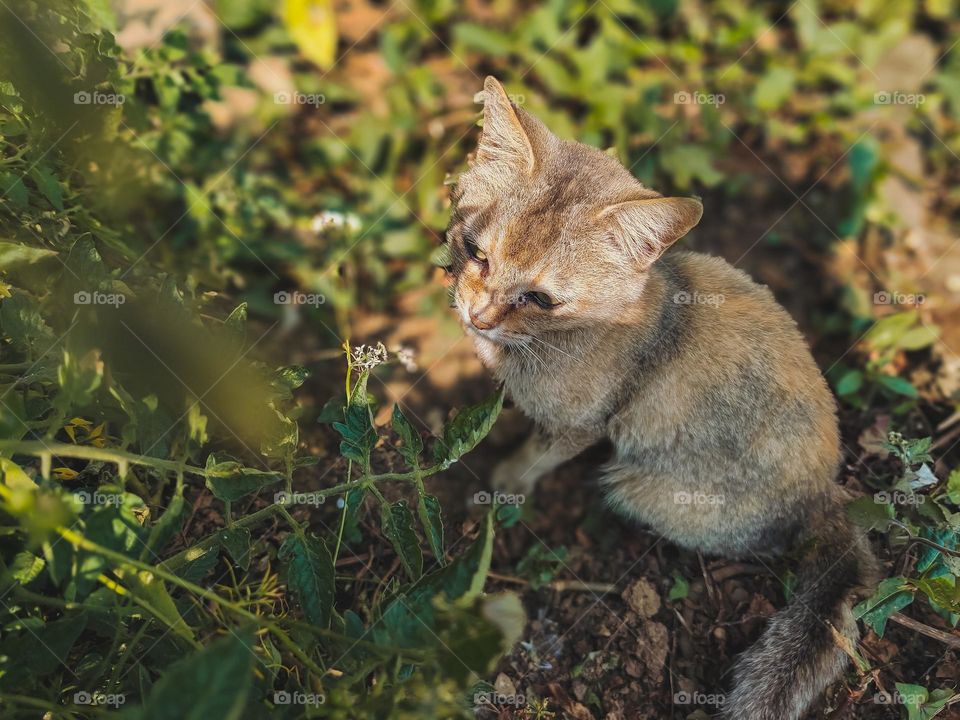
(604, 639)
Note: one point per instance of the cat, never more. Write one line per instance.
(724, 431)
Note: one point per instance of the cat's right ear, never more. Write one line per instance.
(503, 138)
(646, 227)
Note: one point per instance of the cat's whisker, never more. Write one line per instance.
(528, 353)
(536, 356)
(554, 347)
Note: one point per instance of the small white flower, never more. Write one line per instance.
(333, 219)
(407, 357)
(365, 358)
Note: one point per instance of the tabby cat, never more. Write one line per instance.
(724, 431)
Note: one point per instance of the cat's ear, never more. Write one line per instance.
(647, 227)
(504, 138)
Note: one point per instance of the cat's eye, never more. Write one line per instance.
(473, 250)
(541, 299)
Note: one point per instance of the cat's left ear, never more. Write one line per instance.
(504, 137)
(647, 227)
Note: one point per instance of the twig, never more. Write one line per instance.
(708, 582)
(733, 569)
(931, 632)
(559, 585)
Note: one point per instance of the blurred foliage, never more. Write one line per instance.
(153, 196)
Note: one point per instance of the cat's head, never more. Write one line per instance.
(550, 235)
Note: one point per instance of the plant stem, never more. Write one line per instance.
(82, 452)
(343, 518)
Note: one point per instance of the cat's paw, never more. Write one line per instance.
(512, 477)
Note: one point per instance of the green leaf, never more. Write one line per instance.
(351, 528)
(357, 431)
(197, 424)
(229, 480)
(919, 337)
(48, 185)
(310, 575)
(913, 697)
(25, 567)
(14, 256)
(212, 684)
(849, 383)
(680, 588)
(236, 541)
(921, 704)
(115, 528)
(29, 652)
(396, 521)
(412, 442)
(892, 595)
(490, 42)
(870, 512)
(888, 330)
(471, 639)
(541, 564)
(897, 385)
(14, 477)
(13, 190)
(467, 429)
(332, 410)
(236, 321)
(22, 322)
(943, 590)
(953, 486)
(508, 515)
(79, 378)
(774, 88)
(59, 557)
(429, 510)
(292, 377)
(199, 564)
(166, 527)
(410, 618)
(687, 163)
(151, 591)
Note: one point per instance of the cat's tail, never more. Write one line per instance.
(798, 657)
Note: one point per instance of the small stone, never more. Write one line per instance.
(643, 598)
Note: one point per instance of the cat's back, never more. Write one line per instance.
(725, 305)
(739, 379)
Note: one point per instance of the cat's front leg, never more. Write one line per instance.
(539, 454)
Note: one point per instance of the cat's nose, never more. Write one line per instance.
(486, 319)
